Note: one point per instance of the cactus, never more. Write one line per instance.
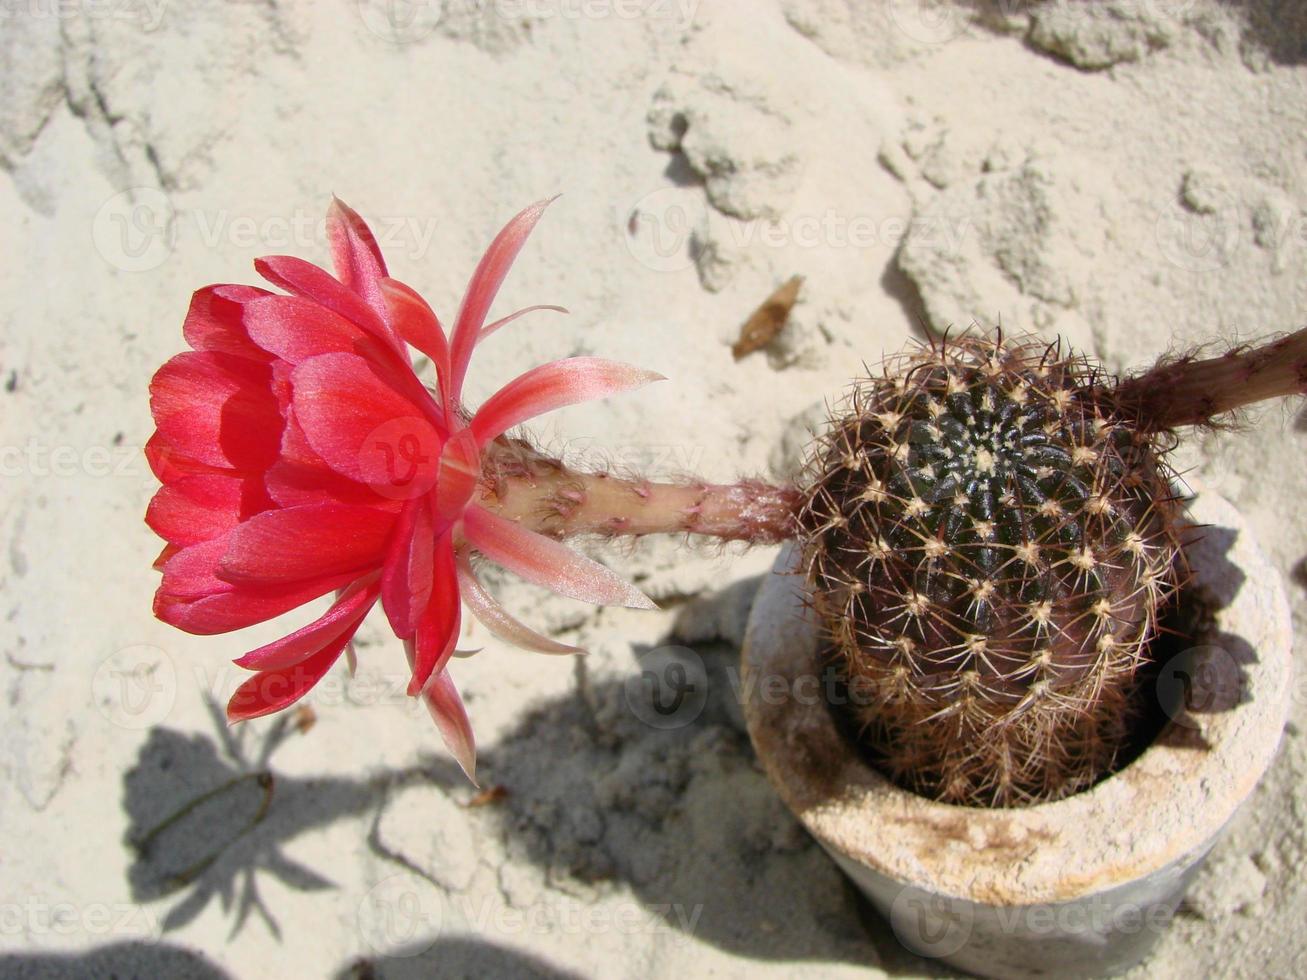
(991, 532)
(989, 541)
(990, 527)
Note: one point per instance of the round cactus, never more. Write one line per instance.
(989, 541)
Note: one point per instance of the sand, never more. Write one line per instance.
(1129, 175)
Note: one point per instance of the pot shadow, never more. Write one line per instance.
(121, 959)
(1198, 669)
(651, 785)
(456, 958)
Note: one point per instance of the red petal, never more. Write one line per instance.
(354, 253)
(481, 292)
(169, 465)
(192, 572)
(197, 508)
(306, 279)
(217, 409)
(406, 579)
(279, 547)
(457, 477)
(341, 620)
(272, 690)
(301, 476)
(363, 428)
(554, 385)
(450, 716)
(418, 324)
(495, 618)
(437, 633)
(545, 562)
(291, 485)
(227, 611)
(295, 328)
(165, 556)
(192, 597)
(213, 322)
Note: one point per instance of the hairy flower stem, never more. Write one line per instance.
(545, 495)
(1193, 392)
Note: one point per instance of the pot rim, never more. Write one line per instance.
(1163, 809)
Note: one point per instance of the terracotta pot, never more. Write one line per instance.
(1080, 887)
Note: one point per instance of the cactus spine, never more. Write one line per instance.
(989, 541)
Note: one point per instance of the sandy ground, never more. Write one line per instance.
(1128, 174)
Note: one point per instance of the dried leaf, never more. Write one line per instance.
(768, 320)
(305, 718)
(489, 796)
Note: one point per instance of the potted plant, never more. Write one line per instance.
(989, 536)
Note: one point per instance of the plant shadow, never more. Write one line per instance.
(605, 792)
(208, 818)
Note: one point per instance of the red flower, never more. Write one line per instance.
(300, 455)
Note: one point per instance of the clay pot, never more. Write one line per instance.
(1076, 888)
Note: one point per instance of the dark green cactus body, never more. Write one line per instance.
(989, 545)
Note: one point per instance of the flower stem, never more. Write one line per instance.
(545, 495)
(1188, 391)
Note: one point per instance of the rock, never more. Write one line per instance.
(733, 136)
(31, 73)
(1204, 191)
(1098, 36)
(1009, 243)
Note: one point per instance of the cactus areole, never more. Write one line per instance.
(989, 542)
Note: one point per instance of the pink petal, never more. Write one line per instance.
(297, 543)
(437, 633)
(487, 330)
(505, 320)
(217, 409)
(495, 618)
(481, 291)
(407, 576)
(363, 428)
(451, 720)
(306, 279)
(355, 254)
(213, 322)
(203, 506)
(344, 617)
(272, 690)
(554, 385)
(415, 321)
(546, 562)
